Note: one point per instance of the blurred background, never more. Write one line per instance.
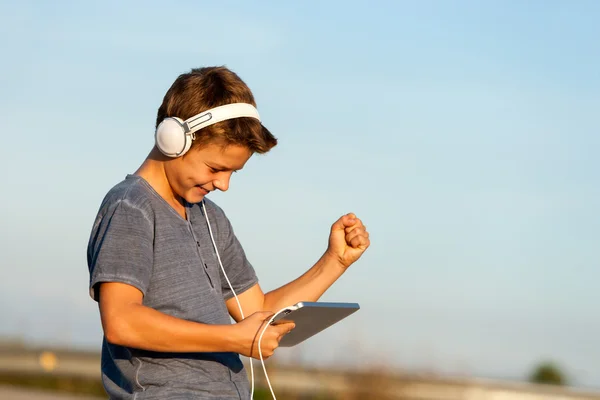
(463, 133)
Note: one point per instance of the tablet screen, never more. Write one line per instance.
(311, 318)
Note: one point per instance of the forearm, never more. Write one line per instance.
(308, 287)
(142, 327)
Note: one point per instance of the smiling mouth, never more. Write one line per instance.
(202, 189)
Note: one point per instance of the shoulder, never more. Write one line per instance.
(131, 195)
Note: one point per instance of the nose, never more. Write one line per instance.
(222, 184)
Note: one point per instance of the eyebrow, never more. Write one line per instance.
(220, 167)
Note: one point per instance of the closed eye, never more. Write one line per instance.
(217, 170)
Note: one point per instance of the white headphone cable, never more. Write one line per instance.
(230, 286)
(242, 312)
(260, 351)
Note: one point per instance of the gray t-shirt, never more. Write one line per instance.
(139, 239)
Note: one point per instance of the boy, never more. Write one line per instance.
(158, 249)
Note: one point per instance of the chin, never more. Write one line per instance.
(194, 195)
(193, 199)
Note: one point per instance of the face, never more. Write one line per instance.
(205, 169)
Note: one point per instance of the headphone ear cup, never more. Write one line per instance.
(170, 137)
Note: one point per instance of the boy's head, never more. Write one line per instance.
(204, 88)
(219, 149)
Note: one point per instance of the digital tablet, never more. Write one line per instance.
(311, 318)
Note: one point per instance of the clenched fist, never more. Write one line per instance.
(348, 240)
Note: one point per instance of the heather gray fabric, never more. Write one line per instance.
(139, 239)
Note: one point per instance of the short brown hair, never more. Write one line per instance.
(205, 88)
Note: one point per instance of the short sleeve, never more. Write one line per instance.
(121, 247)
(240, 272)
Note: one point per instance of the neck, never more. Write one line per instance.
(153, 171)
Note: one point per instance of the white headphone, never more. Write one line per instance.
(174, 137)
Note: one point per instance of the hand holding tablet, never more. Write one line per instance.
(311, 318)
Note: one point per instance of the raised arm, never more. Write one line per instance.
(348, 240)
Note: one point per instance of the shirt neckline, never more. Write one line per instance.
(147, 185)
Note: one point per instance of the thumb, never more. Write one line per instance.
(343, 222)
(284, 327)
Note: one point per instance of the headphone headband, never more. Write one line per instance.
(218, 114)
(174, 137)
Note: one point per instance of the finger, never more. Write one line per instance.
(357, 228)
(360, 242)
(338, 225)
(281, 335)
(344, 221)
(278, 335)
(284, 327)
(357, 224)
(356, 232)
(351, 229)
(350, 219)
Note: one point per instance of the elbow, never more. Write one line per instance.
(112, 336)
(117, 332)
(119, 307)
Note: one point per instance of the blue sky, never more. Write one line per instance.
(463, 133)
